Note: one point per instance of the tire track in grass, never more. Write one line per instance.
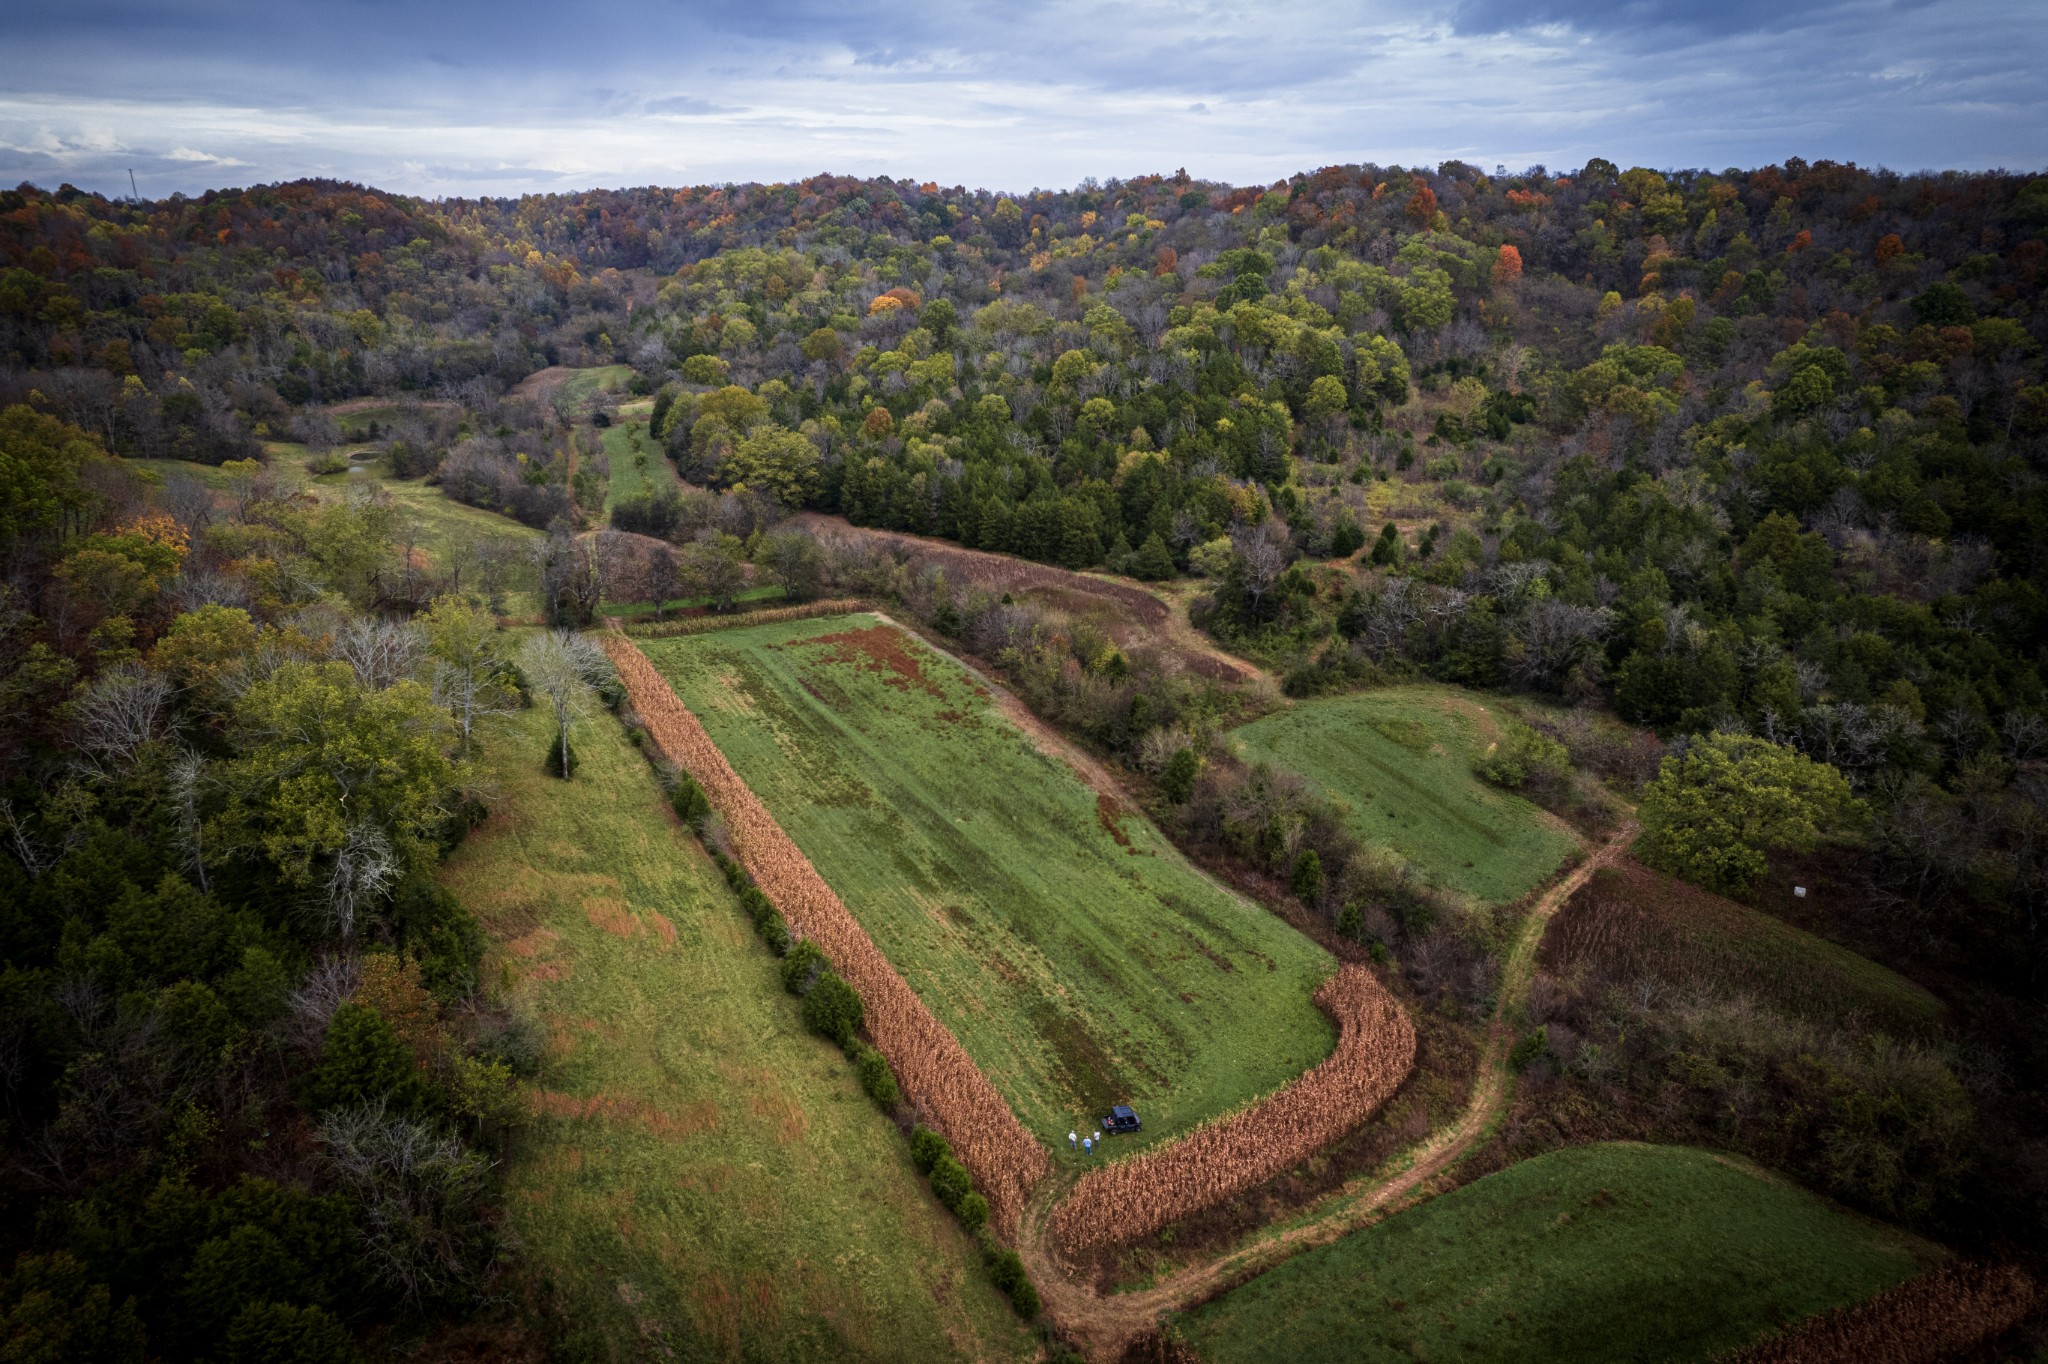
(935, 1070)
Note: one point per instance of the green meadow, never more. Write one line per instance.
(1608, 1254)
(1079, 959)
(1398, 762)
(701, 1178)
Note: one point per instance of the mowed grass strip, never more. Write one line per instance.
(639, 466)
(1399, 763)
(701, 1179)
(1595, 1255)
(1079, 960)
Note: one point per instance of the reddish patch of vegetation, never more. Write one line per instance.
(880, 649)
(613, 1108)
(1109, 814)
(613, 916)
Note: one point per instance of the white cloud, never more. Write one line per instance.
(1033, 94)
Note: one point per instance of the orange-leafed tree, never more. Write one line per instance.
(1507, 266)
(1422, 203)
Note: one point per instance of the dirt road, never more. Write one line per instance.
(1105, 1326)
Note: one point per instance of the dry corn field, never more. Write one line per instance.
(1934, 1317)
(935, 1071)
(1134, 1198)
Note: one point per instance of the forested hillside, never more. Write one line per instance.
(1756, 455)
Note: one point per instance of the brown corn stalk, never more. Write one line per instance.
(1133, 1198)
(935, 1071)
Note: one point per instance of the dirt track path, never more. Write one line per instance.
(1105, 1326)
(1135, 612)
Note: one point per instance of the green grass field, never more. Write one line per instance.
(1595, 1254)
(584, 384)
(638, 465)
(1399, 762)
(703, 1179)
(1072, 951)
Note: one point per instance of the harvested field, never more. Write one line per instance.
(1935, 1317)
(936, 1073)
(1079, 959)
(1631, 923)
(1133, 1198)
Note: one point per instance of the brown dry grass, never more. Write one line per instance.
(936, 1073)
(1934, 1317)
(1133, 1198)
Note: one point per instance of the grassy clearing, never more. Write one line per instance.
(1075, 955)
(703, 1178)
(638, 465)
(1629, 922)
(440, 522)
(1592, 1254)
(1399, 762)
(584, 384)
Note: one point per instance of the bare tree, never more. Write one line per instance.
(418, 1192)
(365, 866)
(382, 652)
(1262, 553)
(326, 988)
(563, 666)
(124, 708)
(185, 775)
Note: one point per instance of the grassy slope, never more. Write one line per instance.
(1592, 1254)
(629, 479)
(1400, 761)
(587, 382)
(704, 1174)
(1630, 921)
(1076, 972)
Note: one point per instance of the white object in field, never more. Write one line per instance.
(1799, 892)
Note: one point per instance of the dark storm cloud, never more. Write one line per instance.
(469, 96)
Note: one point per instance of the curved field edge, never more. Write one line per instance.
(690, 1177)
(1375, 1054)
(1608, 1252)
(935, 1071)
(1072, 949)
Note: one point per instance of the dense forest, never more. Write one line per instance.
(1750, 454)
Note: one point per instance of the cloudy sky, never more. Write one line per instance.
(467, 97)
